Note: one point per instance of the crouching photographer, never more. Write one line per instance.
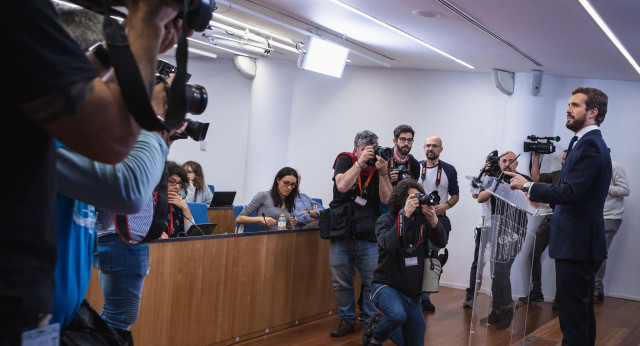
(402, 236)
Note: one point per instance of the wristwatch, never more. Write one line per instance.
(527, 186)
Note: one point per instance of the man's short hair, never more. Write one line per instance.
(402, 129)
(365, 137)
(595, 99)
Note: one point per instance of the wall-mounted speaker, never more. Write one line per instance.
(504, 81)
(536, 82)
(246, 65)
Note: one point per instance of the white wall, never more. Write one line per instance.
(301, 119)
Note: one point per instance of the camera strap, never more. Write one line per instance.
(132, 88)
(438, 176)
(160, 211)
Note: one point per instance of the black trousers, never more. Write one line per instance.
(575, 281)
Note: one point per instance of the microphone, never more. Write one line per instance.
(194, 224)
(265, 219)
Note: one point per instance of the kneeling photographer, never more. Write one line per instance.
(402, 236)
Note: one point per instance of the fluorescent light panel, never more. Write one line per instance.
(324, 57)
(398, 31)
(596, 17)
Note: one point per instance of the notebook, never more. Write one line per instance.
(223, 198)
(206, 228)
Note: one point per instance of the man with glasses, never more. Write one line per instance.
(403, 164)
(437, 175)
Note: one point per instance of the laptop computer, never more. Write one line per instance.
(201, 229)
(223, 198)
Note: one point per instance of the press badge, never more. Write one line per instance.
(411, 261)
(361, 201)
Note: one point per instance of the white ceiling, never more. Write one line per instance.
(559, 35)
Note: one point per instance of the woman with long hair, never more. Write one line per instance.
(269, 205)
(196, 190)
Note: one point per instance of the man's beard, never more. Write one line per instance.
(403, 150)
(577, 124)
(432, 156)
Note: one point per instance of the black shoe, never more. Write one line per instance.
(342, 329)
(468, 303)
(493, 317)
(370, 328)
(361, 317)
(554, 306)
(427, 306)
(504, 319)
(600, 297)
(533, 297)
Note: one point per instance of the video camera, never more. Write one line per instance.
(196, 98)
(385, 153)
(541, 147)
(432, 198)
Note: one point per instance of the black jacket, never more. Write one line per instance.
(401, 258)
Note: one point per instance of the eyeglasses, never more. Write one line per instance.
(408, 140)
(288, 184)
(431, 146)
(174, 182)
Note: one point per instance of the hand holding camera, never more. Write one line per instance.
(410, 205)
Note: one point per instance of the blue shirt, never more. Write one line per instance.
(304, 202)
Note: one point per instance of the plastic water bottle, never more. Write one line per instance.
(282, 223)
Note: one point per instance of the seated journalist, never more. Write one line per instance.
(402, 236)
(269, 205)
(307, 210)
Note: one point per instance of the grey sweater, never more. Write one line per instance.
(263, 203)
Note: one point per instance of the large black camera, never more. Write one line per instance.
(196, 95)
(402, 173)
(195, 129)
(493, 170)
(385, 153)
(541, 147)
(432, 198)
(198, 15)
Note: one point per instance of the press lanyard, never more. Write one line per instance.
(365, 184)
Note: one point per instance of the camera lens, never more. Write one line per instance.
(197, 98)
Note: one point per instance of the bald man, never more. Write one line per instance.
(502, 303)
(437, 175)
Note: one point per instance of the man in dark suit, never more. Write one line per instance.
(577, 241)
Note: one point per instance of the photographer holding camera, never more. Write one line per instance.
(361, 185)
(502, 303)
(402, 236)
(403, 165)
(437, 175)
(56, 92)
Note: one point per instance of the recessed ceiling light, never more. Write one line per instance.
(427, 13)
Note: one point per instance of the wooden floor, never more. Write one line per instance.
(618, 323)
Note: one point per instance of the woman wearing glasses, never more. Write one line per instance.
(180, 218)
(269, 205)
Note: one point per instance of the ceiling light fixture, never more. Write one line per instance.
(237, 39)
(251, 27)
(248, 33)
(398, 31)
(269, 19)
(596, 17)
(323, 56)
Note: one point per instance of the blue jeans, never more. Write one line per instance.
(122, 271)
(343, 255)
(402, 322)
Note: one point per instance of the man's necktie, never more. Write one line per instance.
(571, 143)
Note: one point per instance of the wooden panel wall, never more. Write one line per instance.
(224, 218)
(212, 291)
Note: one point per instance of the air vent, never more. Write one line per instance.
(471, 20)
